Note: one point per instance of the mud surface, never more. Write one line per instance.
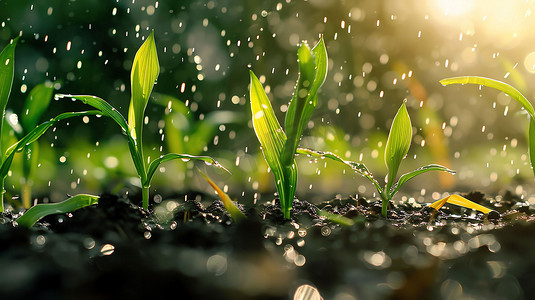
(193, 251)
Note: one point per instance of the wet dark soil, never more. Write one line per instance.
(188, 250)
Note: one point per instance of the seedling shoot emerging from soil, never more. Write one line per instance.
(279, 146)
(397, 147)
(145, 70)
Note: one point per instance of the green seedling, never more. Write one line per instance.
(7, 62)
(278, 145)
(39, 211)
(236, 214)
(35, 105)
(145, 70)
(397, 147)
(513, 93)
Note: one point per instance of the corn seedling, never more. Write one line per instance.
(513, 93)
(145, 70)
(278, 145)
(35, 105)
(39, 211)
(397, 147)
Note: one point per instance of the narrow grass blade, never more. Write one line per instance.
(272, 139)
(312, 73)
(338, 219)
(355, 166)
(397, 144)
(531, 143)
(33, 135)
(501, 86)
(7, 70)
(460, 201)
(145, 70)
(39, 211)
(104, 107)
(408, 176)
(513, 93)
(153, 166)
(36, 104)
(236, 214)
(107, 110)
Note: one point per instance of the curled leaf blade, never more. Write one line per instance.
(355, 166)
(513, 93)
(335, 218)
(499, 85)
(145, 70)
(7, 71)
(312, 74)
(35, 134)
(153, 166)
(39, 211)
(408, 176)
(272, 139)
(397, 144)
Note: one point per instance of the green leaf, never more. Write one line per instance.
(39, 211)
(153, 166)
(145, 70)
(408, 176)
(236, 214)
(513, 93)
(531, 143)
(33, 135)
(36, 104)
(335, 218)
(312, 73)
(355, 166)
(107, 110)
(397, 144)
(501, 86)
(7, 71)
(272, 139)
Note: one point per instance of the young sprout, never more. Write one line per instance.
(278, 145)
(397, 147)
(513, 93)
(35, 105)
(145, 70)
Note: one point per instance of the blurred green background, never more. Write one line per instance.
(381, 52)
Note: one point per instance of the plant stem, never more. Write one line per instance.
(385, 199)
(27, 195)
(2, 194)
(145, 193)
(384, 208)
